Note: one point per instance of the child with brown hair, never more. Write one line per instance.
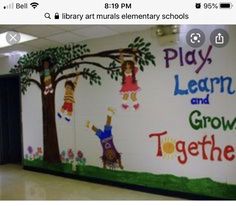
(45, 73)
(69, 99)
(130, 86)
(110, 158)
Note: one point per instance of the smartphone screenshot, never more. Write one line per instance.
(117, 100)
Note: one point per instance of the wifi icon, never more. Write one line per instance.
(34, 4)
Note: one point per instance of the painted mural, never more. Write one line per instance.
(51, 64)
(158, 124)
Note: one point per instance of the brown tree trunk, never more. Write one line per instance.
(50, 140)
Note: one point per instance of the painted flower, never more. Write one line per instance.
(63, 153)
(62, 158)
(30, 149)
(70, 154)
(79, 154)
(39, 150)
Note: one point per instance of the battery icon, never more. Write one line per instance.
(226, 5)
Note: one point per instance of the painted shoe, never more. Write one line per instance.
(88, 124)
(136, 106)
(125, 106)
(111, 110)
(67, 119)
(59, 115)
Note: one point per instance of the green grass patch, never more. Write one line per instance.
(202, 186)
(37, 163)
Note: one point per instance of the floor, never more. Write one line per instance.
(19, 184)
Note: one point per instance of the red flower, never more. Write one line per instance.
(79, 154)
(70, 154)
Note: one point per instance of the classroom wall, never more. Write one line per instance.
(161, 110)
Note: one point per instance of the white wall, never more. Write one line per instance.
(7, 62)
(160, 111)
(4, 65)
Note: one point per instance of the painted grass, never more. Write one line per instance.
(203, 186)
(64, 167)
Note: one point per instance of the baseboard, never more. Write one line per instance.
(183, 195)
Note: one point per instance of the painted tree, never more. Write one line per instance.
(74, 60)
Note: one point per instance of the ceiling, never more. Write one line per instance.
(50, 36)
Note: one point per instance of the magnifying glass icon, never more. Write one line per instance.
(47, 16)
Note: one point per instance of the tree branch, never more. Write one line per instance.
(35, 82)
(71, 75)
(108, 53)
(74, 64)
(103, 54)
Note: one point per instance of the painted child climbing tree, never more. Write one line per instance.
(50, 65)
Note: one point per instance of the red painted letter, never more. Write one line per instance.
(215, 149)
(227, 150)
(183, 150)
(158, 135)
(193, 148)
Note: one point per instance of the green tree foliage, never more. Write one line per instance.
(73, 57)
